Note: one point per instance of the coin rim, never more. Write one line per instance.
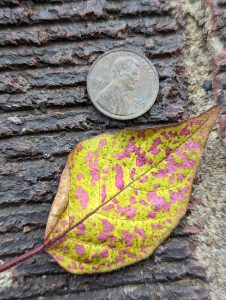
(119, 117)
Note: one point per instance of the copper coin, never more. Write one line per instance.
(122, 84)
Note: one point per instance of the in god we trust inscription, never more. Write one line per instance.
(122, 84)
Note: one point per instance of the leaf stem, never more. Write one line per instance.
(15, 261)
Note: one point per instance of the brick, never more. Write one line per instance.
(80, 119)
(15, 219)
(9, 2)
(81, 52)
(45, 98)
(175, 249)
(13, 84)
(141, 273)
(17, 243)
(79, 11)
(81, 30)
(77, 96)
(71, 76)
(67, 78)
(30, 287)
(179, 290)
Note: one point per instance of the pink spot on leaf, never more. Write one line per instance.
(168, 151)
(151, 215)
(79, 176)
(80, 249)
(92, 159)
(179, 195)
(132, 173)
(79, 148)
(141, 134)
(115, 201)
(124, 155)
(81, 229)
(180, 176)
(143, 178)
(59, 258)
(185, 132)
(119, 259)
(103, 236)
(144, 249)
(135, 192)
(119, 183)
(71, 219)
(104, 253)
(82, 196)
(103, 192)
(141, 232)
(141, 157)
(142, 160)
(102, 143)
(127, 237)
(159, 203)
(131, 213)
(172, 179)
(122, 210)
(154, 149)
(107, 226)
(108, 207)
(142, 202)
(191, 145)
(63, 223)
(57, 230)
(161, 174)
(155, 186)
(132, 199)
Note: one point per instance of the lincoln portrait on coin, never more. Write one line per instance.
(119, 96)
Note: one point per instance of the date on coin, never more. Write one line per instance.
(122, 84)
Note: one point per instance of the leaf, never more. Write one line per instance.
(121, 194)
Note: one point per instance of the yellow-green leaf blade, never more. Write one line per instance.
(129, 190)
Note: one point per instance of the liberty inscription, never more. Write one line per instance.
(123, 84)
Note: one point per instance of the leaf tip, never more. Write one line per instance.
(213, 111)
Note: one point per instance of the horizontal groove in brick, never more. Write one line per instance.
(23, 81)
(15, 218)
(79, 53)
(19, 242)
(87, 118)
(52, 285)
(67, 98)
(79, 30)
(78, 11)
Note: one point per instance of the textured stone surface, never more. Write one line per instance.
(46, 50)
(217, 45)
(201, 42)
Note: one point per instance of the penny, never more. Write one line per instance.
(122, 84)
